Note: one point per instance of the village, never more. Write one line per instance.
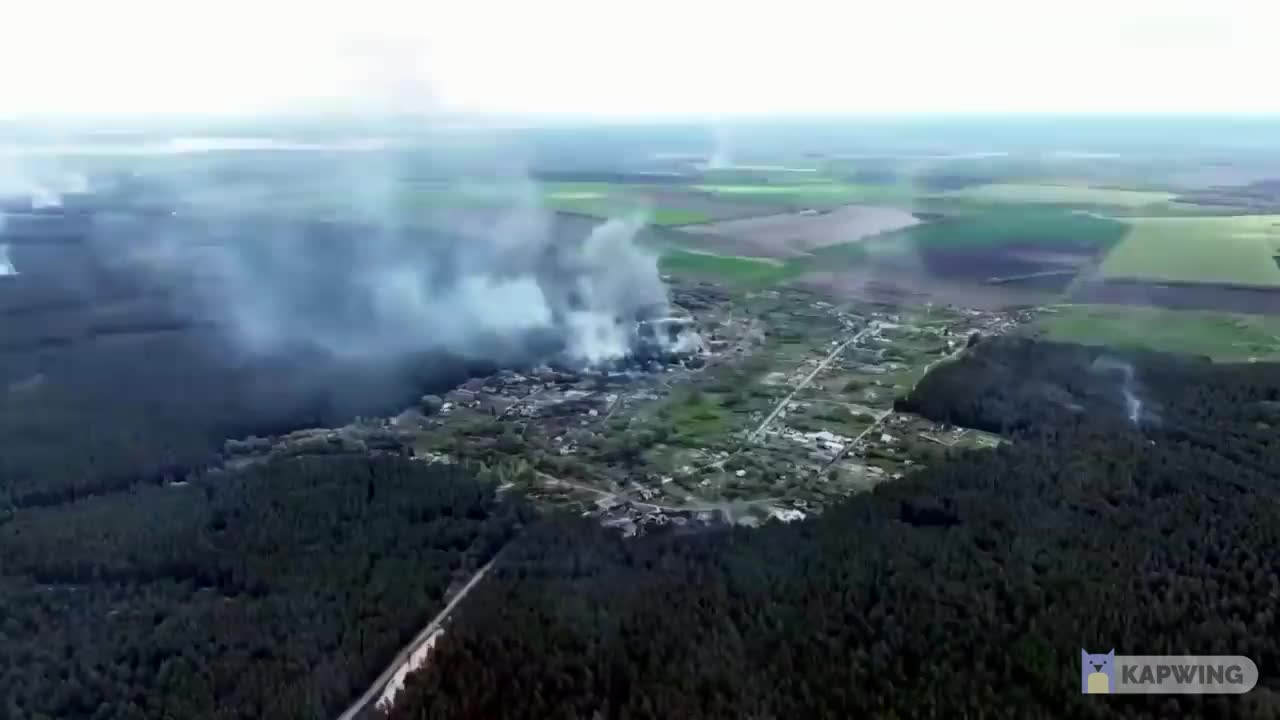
(778, 404)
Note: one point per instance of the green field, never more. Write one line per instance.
(1222, 336)
(726, 268)
(606, 200)
(1052, 229)
(676, 216)
(820, 194)
(696, 418)
(1237, 249)
(1059, 195)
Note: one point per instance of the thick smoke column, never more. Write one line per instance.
(610, 284)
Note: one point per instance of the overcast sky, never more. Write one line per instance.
(650, 57)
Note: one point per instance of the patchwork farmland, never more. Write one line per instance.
(903, 235)
(981, 257)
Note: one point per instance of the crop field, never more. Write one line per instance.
(595, 199)
(994, 245)
(664, 205)
(1012, 255)
(734, 270)
(1047, 229)
(1179, 296)
(813, 194)
(1222, 336)
(799, 233)
(1238, 250)
(1053, 194)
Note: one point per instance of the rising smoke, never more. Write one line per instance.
(502, 285)
(6, 265)
(721, 156)
(1127, 389)
(509, 282)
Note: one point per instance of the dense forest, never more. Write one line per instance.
(277, 591)
(967, 589)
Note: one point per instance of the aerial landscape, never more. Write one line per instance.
(232, 409)
(696, 369)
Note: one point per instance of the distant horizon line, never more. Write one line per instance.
(536, 119)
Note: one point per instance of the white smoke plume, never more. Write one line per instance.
(6, 264)
(721, 156)
(502, 283)
(1128, 393)
(37, 181)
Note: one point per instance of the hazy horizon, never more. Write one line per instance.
(574, 59)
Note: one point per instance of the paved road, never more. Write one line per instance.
(403, 656)
(872, 329)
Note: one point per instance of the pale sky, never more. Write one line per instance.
(650, 57)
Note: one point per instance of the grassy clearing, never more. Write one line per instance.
(1222, 336)
(696, 418)
(1060, 195)
(1237, 249)
(831, 419)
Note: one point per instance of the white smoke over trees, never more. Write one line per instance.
(1128, 391)
(486, 289)
(6, 265)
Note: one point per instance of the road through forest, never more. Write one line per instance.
(407, 652)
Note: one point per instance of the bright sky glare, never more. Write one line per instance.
(656, 57)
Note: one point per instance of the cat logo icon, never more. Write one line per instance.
(1097, 673)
